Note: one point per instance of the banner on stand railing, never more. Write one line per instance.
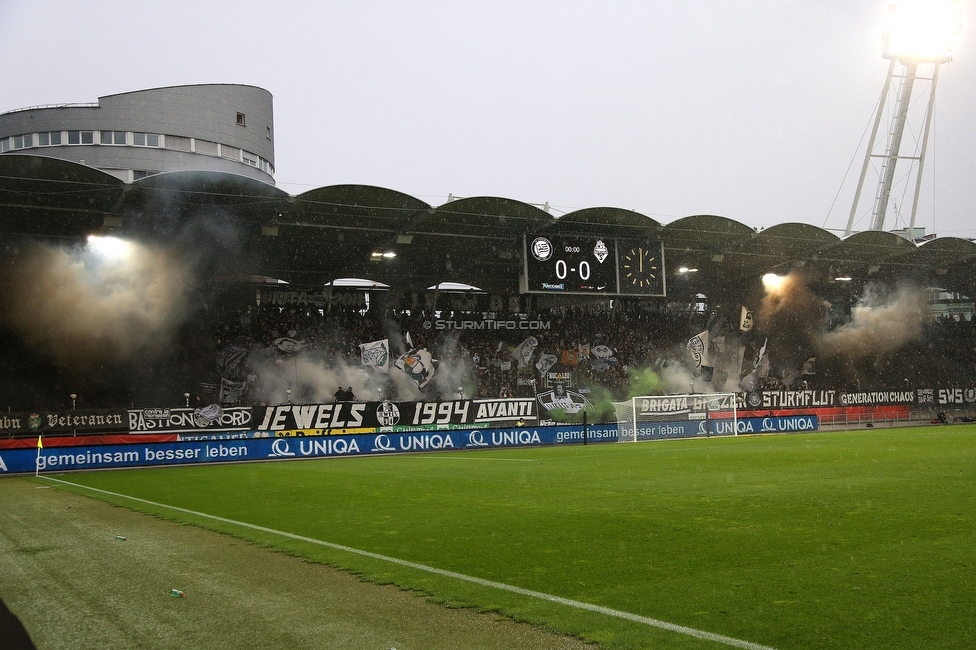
(83, 421)
(366, 417)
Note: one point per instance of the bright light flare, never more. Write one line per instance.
(922, 30)
(109, 247)
(772, 282)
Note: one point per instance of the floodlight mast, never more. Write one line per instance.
(907, 47)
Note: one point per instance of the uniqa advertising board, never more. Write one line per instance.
(222, 449)
(724, 427)
(55, 459)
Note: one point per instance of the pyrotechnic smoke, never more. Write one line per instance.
(643, 381)
(677, 379)
(884, 320)
(672, 378)
(454, 369)
(107, 301)
(881, 322)
(791, 317)
(308, 377)
(313, 377)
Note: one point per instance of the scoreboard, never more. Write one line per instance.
(589, 264)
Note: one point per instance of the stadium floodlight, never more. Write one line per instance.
(922, 31)
(920, 39)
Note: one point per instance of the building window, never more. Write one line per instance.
(141, 173)
(4, 144)
(227, 151)
(112, 137)
(49, 138)
(240, 119)
(81, 137)
(22, 141)
(145, 139)
(205, 147)
(269, 133)
(250, 158)
(177, 143)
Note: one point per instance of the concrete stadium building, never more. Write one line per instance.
(209, 127)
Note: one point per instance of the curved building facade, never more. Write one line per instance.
(207, 127)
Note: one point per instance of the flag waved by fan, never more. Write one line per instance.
(417, 364)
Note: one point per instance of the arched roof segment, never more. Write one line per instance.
(868, 255)
(351, 206)
(216, 206)
(946, 262)
(792, 239)
(700, 242)
(704, 233)
(475, 240)
(610, 222)
(779, 247)
(874, 245)
(394, 238)
(482, 216)
(331, 232)
(190, 190)
(945, 251)
(48, 196)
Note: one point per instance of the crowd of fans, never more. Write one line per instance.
(636, 339)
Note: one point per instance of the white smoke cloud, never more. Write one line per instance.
(881, 322)
(107, 300)
(677, 378)
(313, 377)
(308, 378)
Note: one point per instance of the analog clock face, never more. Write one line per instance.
(640, 269)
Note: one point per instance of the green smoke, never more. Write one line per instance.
(643, 381)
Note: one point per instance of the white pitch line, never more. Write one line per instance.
(440, 456)
(616, 613)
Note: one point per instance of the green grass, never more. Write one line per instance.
(74, 584)
(861, 539)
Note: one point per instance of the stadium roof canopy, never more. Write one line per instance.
(346, 231)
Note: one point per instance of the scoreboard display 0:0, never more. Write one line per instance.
(563, 264)
(590, 264)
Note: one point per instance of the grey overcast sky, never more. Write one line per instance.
(752, 110)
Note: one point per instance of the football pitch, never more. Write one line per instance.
(856, 539)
